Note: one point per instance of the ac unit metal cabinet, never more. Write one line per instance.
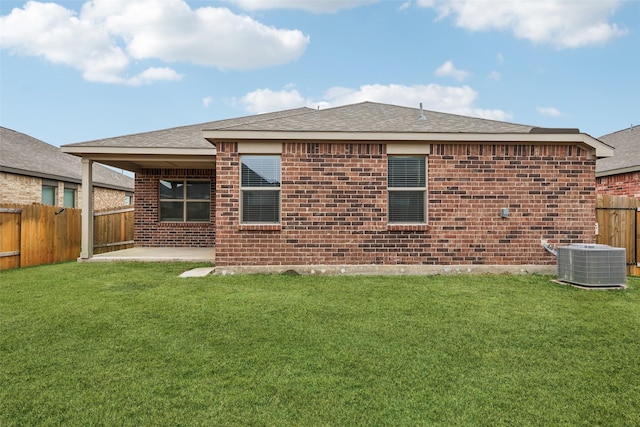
(592, 265)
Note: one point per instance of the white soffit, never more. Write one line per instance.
(87, 151)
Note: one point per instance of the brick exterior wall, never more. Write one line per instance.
(624, 184)
(103, 198)
(20, 189)
(334, 207)
(149, 231)
(25, 190)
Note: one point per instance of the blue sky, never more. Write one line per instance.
(73, 71)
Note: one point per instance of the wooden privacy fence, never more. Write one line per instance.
(619, 225)
(38, 234)
(112, 230)
(41, 234)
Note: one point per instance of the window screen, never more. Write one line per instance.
(260, 182)
(407, 188)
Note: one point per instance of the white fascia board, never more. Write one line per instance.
(601, 149)
(88, 151)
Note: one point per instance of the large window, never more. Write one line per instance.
(185, 201)
(407, 185)
(260, 189)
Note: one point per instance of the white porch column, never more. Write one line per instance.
(86, 250)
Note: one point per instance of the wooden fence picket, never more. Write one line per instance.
(40, 234)
(619, 226)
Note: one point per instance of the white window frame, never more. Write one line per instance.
(422, 189)
(273, 189)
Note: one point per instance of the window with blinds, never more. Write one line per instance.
(407, 187)
(260, 188)
(185, 201)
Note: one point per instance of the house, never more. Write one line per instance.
(368, 184)
(32, 171)
(619, 175)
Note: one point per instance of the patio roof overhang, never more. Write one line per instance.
(135, 159)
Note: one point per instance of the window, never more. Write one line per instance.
(69, 198)
(407, 185)
(49, 194)
(185, 201)
(128, 199)
(260, 189)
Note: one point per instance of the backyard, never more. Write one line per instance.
(134, 344)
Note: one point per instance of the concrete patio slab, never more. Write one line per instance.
(158, 255)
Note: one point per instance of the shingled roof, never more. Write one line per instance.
(24, 155)
(375, 117)
(186, 137)
(627, 155)
(183, 146)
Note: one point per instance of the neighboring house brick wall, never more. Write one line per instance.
(334, 200)
(624, 184)
(105, 198)
(20, 189)
(25, 190)
(149, 231)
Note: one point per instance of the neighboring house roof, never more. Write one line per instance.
(24, 155)
(627, 155)
(190, 146)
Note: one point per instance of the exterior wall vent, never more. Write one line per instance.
(592, 265)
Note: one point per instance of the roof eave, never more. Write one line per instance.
(135, 159)
(598, 148)
(618, 171)
(88, 151)
(62, 178)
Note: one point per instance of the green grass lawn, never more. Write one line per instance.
(133, 344)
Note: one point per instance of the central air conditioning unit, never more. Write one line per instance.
(592, 265)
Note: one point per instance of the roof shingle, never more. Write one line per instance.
(627, 151)
(21, 153)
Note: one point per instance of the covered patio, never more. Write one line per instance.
(161, 153)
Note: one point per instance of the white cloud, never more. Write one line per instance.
(107, 35)
(495, 75)
(152, 75)
(449, 99)
(448, 69)
(549, 111)
(267, 100)
(314, 6)
(562, 23)
(206, 101)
